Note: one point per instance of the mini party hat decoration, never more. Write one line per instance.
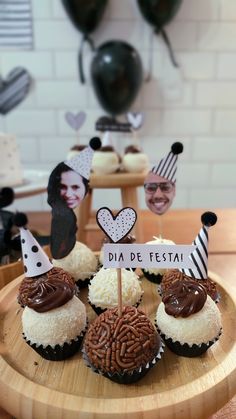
(200, 254)
(106, 140)
(81, 163)
(167, 166)
(36, 262)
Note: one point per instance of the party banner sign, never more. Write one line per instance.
(147, 256)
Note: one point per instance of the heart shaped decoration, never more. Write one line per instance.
(14, 89)
(135, 119)
(75, 121)
(118, 226)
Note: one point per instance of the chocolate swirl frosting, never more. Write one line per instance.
(48, 291)
(120, 344)
(184, 298)
(174, 275)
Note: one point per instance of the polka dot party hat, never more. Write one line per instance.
(81, 162)
(36, 262)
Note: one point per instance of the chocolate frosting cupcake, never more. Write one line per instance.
(174, 275)
(184, 299)
(47, 291)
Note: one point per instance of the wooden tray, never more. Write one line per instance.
(177, 387)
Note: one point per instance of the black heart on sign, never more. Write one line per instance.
(118, 226)
(14, 89)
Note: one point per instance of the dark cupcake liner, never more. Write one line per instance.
(127, 377)
(99, 310)
(58, 353)
(185, 349)
(155, 278)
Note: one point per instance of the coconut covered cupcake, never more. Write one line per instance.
(134, 160)
(81, 263)
(54, 319)
(188, 319)
(106, 161)
(102, 290)
(156, 274)
(124, 348)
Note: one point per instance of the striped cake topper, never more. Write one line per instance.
(200, 254)
(167, 166)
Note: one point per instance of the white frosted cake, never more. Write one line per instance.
(11, 173)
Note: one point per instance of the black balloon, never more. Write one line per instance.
(159, 12)
(85, 14)
(117, 75)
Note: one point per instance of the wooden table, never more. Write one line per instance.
(222, 257)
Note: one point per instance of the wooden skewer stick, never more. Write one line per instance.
(119, 287)
(160, 225)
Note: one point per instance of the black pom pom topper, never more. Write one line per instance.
(20, 219)
(6, 197)
(209, 218)
(177, 148)
(95, 143)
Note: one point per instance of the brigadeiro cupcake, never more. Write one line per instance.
(102, 290)
(54, 319)
(81, 263)
(199, 258)
(135, 160)
(122, 348)
(155, 274)
(188, 319)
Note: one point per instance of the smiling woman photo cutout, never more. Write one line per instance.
(67, 186)
(159, 185)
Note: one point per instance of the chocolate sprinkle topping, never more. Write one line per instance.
(121, 344)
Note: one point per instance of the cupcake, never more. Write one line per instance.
(134, 160)
(105, 161)
(124, 348)
(81, 263)
(156, 274)
(53, 319)
(188, 319)
(102, 290)
(75, 150)
(174, 275)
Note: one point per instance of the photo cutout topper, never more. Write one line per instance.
(116, 227)
(68, 182)
(160, 183)
(67, 186)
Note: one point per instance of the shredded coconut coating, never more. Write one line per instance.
(103, 288)
(198, 328)
(156, 271)
(56, 326)
(135, 162)
(80, 263)
(105, 162)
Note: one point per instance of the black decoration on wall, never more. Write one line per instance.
(14, 89)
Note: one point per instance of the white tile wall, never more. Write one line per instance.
(195, 104)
